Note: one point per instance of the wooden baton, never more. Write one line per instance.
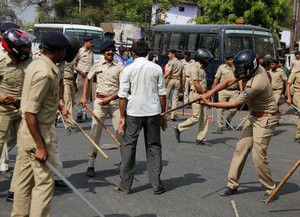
(282, 182)
(88, 137)
(179, 107)
(104, 127)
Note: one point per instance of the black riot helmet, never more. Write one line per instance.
(73, 47)
(13, 42)
(245, 64)
(203, 56)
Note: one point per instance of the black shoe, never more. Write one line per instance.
(10, 196)
(228, 192)
(266, 196)
(219, 130)
(119, 190)
(59, 184)
(199, 142)
(79, 118)
(173, 119)
(160, 191)
(90, 172)
(177, 133)
(227, 125)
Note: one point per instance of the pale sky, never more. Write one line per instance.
(27, 16)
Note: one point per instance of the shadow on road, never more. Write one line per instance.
(173, 183)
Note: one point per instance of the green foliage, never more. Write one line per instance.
(272, 14)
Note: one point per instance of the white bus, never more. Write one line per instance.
(80, 31)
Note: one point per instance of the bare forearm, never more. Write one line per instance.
(198, 87)
(162, 100)
(122, 107)
(226, 105)
(32, 123)
(85, 88)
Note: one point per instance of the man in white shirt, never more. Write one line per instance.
(142, 98)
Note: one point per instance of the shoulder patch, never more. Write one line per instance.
(245, 94)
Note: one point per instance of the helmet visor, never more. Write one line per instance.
(239, 71)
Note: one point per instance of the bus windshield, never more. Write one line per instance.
(260, 41)
(81, 33)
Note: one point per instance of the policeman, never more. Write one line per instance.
(83, 64)
(231, 93)
(187, 63)
(295, 66)
(4, 160)
(13, 61)
(279, 79)
(173, 75)
(40, 101)
(257, 132)
(106, 103)
(294, 80)
(198, 86)
(69, 86)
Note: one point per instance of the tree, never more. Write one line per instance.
(271, 14)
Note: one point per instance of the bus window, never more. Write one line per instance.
(165, 45)
(248, 43)
(156, 42)
(192, 41)
(233, 44)
(208, 41)
(174, 40)
(98, 37)
(38, 32)
(264, 44)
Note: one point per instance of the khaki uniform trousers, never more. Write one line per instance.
(34, 185)
(8, 131)
(81, 110)
(227, 96)
(69, 97)
(277, 95)
(200, 115)
(173, 84)
(255, 136)
(296, 101)
(112, 109)
(186, 90)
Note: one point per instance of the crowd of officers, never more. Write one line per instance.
(29, 89)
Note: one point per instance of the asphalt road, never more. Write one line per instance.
(193, 175)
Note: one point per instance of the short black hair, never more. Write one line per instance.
(140, 48)
(266, 63)
(187, 53)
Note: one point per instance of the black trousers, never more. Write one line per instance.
(151, 126)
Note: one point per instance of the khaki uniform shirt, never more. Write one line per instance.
(294, 79)
(224, 72)
(40, 96)
(278, 76)
(258, 93)
(198, 73)
(84, 60)
(11, 82)
(296, 65)
(107, 77)
(187, 66)
(176, 68)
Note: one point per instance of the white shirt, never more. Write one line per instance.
(142, 84)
